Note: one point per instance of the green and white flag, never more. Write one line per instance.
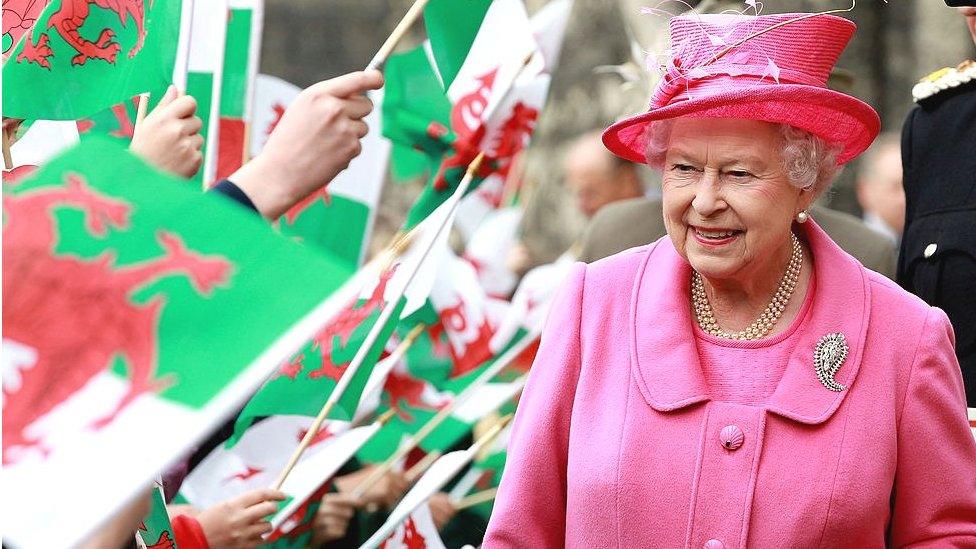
(242, 54)
(118, 354)
(204, 77)
(417, 531)
(339, 217)
(516, 114)
(475, 114)
(304, 382)
(452, 28)
(81, 58)
(156, 531)
(438, 475)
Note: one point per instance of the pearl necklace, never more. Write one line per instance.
(770, 315)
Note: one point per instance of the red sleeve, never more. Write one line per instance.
(188, 533)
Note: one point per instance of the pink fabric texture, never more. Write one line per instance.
(778, 76)
(619, 442)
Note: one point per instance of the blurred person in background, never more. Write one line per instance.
(938, 250)
(596, 179)
(879, 188)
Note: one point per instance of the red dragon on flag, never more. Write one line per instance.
(18, 18)
(53, 302)
(467, 123)
(69, 21)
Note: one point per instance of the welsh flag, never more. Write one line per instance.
(112, 279)
(439, 474)
(517, 112)
(156, 531)
(18, 18)
(117, 121)
(451, 133)
(417, 531)
(487, 468)
(205, 76)
(205, 57)
(81, 58)
(338, 218)
(262, 453)
(416, 402)
(242, 52)
(304, 382)
(530, 304)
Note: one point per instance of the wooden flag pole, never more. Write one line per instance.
(398, 33)
(491, 435)
(504, 360)
(374, 332)
(8, 160)
(476, 498)
(330, 403)
(421, 466)
(141, 111)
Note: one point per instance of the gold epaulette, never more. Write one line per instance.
(944, 79)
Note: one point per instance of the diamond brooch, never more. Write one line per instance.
(828, 356)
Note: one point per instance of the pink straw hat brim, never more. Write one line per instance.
(833, 116)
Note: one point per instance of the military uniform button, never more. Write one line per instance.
(930, 250)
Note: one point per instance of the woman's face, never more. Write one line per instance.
(728, 204)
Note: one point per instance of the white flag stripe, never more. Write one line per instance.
(439, 474)
(315, 469)
(207, 35)
(43, 140)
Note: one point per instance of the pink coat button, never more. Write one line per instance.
(731, 437)
(714, 544)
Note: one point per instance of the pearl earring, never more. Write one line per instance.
(802, 217)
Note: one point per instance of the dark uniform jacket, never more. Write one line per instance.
(938, 251)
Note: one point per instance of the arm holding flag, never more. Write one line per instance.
(530, 508)
(316, 139)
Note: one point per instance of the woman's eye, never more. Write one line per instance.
(683, 168)
(739, 173)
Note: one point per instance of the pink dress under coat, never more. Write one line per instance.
(617, 440)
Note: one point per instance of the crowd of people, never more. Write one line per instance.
(729, 363)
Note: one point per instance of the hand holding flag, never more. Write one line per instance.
(169, 137)
(316, 139)
(240, 522)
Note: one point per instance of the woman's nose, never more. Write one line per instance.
(708, 199)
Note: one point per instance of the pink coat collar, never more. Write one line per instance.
(664, 356)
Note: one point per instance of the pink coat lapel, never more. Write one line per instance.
(664, 356)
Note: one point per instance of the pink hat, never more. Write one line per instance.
(771, 67)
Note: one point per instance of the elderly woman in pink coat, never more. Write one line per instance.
(742, 382)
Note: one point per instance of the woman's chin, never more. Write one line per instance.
(712, 267)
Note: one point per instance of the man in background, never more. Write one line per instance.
(879, 187)
(596, 177)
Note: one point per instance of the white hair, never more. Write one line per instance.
(808, 160)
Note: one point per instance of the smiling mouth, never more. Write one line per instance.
(715, 234)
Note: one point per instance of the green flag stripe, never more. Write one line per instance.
(233, 91)
(452, 26)
(199, 85)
